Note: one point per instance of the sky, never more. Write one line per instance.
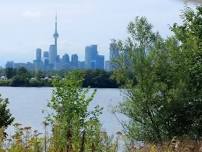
(29, 24)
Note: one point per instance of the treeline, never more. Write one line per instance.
(23, 78)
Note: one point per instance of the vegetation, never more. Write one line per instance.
(164, 78)
(74, 127)
(22, 77)
(5, 116)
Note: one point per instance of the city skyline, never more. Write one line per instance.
(50, 60)
(26, 26)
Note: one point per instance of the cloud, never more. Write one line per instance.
(31, 14)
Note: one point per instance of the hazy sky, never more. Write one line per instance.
(29, 24)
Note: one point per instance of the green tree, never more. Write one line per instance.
(5, 116)
(10, 73)
(189, 65)
(166, 99)
(21, 78)
(143, 90)
(73, 124)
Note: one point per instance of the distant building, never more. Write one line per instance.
(114, 54)
(74, 61)
(52, 54)
(90, 56)
(58, 63)
(45, 55)
(81, 65)
(38, 55)
(65, 59)
(65, 62)
(10, 64)
(50, 60)
(28, 66)
(107, 65)
(92, 59)
(100, 62)
(38, 64)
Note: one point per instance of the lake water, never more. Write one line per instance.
(26, 105)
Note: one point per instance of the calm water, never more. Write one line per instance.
(26, 104)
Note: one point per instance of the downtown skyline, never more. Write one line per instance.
(26, 26)
(50, 60)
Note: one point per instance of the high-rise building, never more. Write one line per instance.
(74, 61)
(58, 63)
(45, 55)
(90, 56)
(38, 55)
(65, 59)
(46, 60)
(114, 54)
(38, 64)
(52, 54)
(100, 62)
(65, 62)
(92, 59)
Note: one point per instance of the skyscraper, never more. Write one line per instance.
(100, 62)
(45, 55)
(74, 61)
(52, 54)
(38, 54)
(38, 64)
(65, 59)
(90, 56)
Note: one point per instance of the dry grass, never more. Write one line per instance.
(173, 146)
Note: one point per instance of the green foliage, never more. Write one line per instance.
(144, 90)
(99, 79)
(73, 124)
(189, 65)
(163, 80)
(10, 72)
(5, 116)
(18, 81)
(4, 82)
(22, 77)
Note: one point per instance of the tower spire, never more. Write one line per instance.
(56, 35)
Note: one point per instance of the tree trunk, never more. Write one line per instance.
(69, 140)
(82, 148)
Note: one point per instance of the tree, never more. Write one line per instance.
(189, 37)
(73, 124)
(5, 116)
(21, 78)
(10, 73)
(136, 71)
(166, 99)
